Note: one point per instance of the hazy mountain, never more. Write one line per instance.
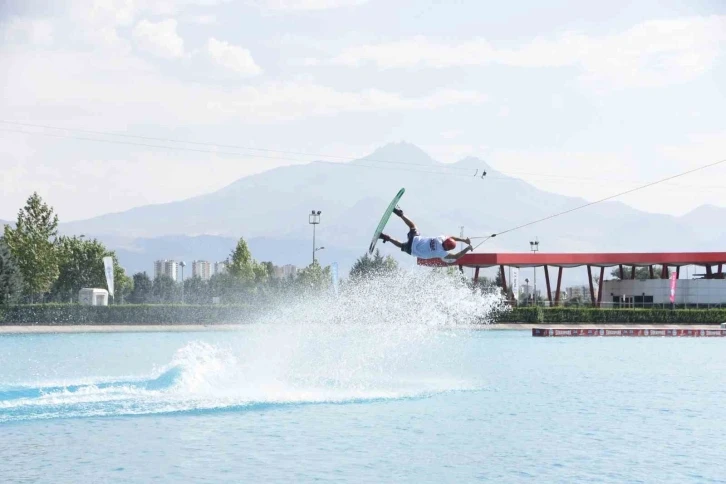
(705, 220)
(271, 210)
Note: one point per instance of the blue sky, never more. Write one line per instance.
(580, 98)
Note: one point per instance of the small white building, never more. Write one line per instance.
(166, 267)
(657, 291)
(220, 268)
(93, 297)
(202, 269)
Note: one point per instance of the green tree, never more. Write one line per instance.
(230, 289)
(641, 273)
(241, 265)
(245, 276)
(11, 282)
(32, 243)
(142, 292)
(80, 264)
(164, 290)
(261, 272)
(124, 285)
(574, 302)
(270, 268)
(367, 266)
(314, 277)
(196, 291)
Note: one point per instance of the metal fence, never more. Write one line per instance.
(614, 305)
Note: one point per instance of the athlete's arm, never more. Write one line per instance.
(458, 255)
(467, 241)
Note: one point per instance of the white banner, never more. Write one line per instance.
(108, 266)
(515, 282)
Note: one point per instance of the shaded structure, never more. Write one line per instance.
(626, 262)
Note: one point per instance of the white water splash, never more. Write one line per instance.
(396, 336)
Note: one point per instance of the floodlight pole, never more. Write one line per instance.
(314, 219)
(182, 264)
(534, 247)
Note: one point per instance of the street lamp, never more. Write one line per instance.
(314, 219)
(534, 247)
(182, 264)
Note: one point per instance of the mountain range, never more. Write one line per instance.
(270, 210)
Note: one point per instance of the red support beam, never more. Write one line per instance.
(622, 276)
(720, 270)
(549, 291)
(599, 287)
(678, 272)
(664, 272)
(592, 289)
(559, 282)
(652, 275)
(632, 273)
(476, 275)
(580, 259)
(504, 281)
(709, 272)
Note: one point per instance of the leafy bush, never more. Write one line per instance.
(594, 315)
(69, 314)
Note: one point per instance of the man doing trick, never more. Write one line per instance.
(427, 247)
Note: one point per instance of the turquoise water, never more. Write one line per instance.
(356, 403)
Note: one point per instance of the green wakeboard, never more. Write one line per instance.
(384, 219)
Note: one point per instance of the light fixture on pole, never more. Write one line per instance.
(534, 247)
(314, 219)
(182, 264)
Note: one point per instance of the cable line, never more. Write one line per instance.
(549, 217)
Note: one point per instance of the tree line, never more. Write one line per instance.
(38, 265)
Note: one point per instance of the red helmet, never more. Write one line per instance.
(449, 244)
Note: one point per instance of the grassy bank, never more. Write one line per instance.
(623, 316)
(69, 314)
(73, 314)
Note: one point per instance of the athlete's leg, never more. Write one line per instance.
(407, 220)
(388, 238)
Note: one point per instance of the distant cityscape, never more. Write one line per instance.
(205, 269)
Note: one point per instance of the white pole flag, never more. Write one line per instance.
(108, 266)
(334, 274)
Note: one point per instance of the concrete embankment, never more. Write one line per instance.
(145, 328)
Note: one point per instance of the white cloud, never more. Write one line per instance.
(28, 31)
(287, 101)
(160, 39)
(200, 19)
(125, 12)
(301, 5)
(127, 89)
(652, 53)
(232, 57)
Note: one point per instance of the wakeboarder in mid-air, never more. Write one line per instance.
(427, 247)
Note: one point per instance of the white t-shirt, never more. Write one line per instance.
(428, 247)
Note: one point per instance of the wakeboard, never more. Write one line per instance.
(384, 219)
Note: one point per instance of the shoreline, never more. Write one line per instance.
(180, 328)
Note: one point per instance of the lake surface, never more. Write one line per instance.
(360, 403)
